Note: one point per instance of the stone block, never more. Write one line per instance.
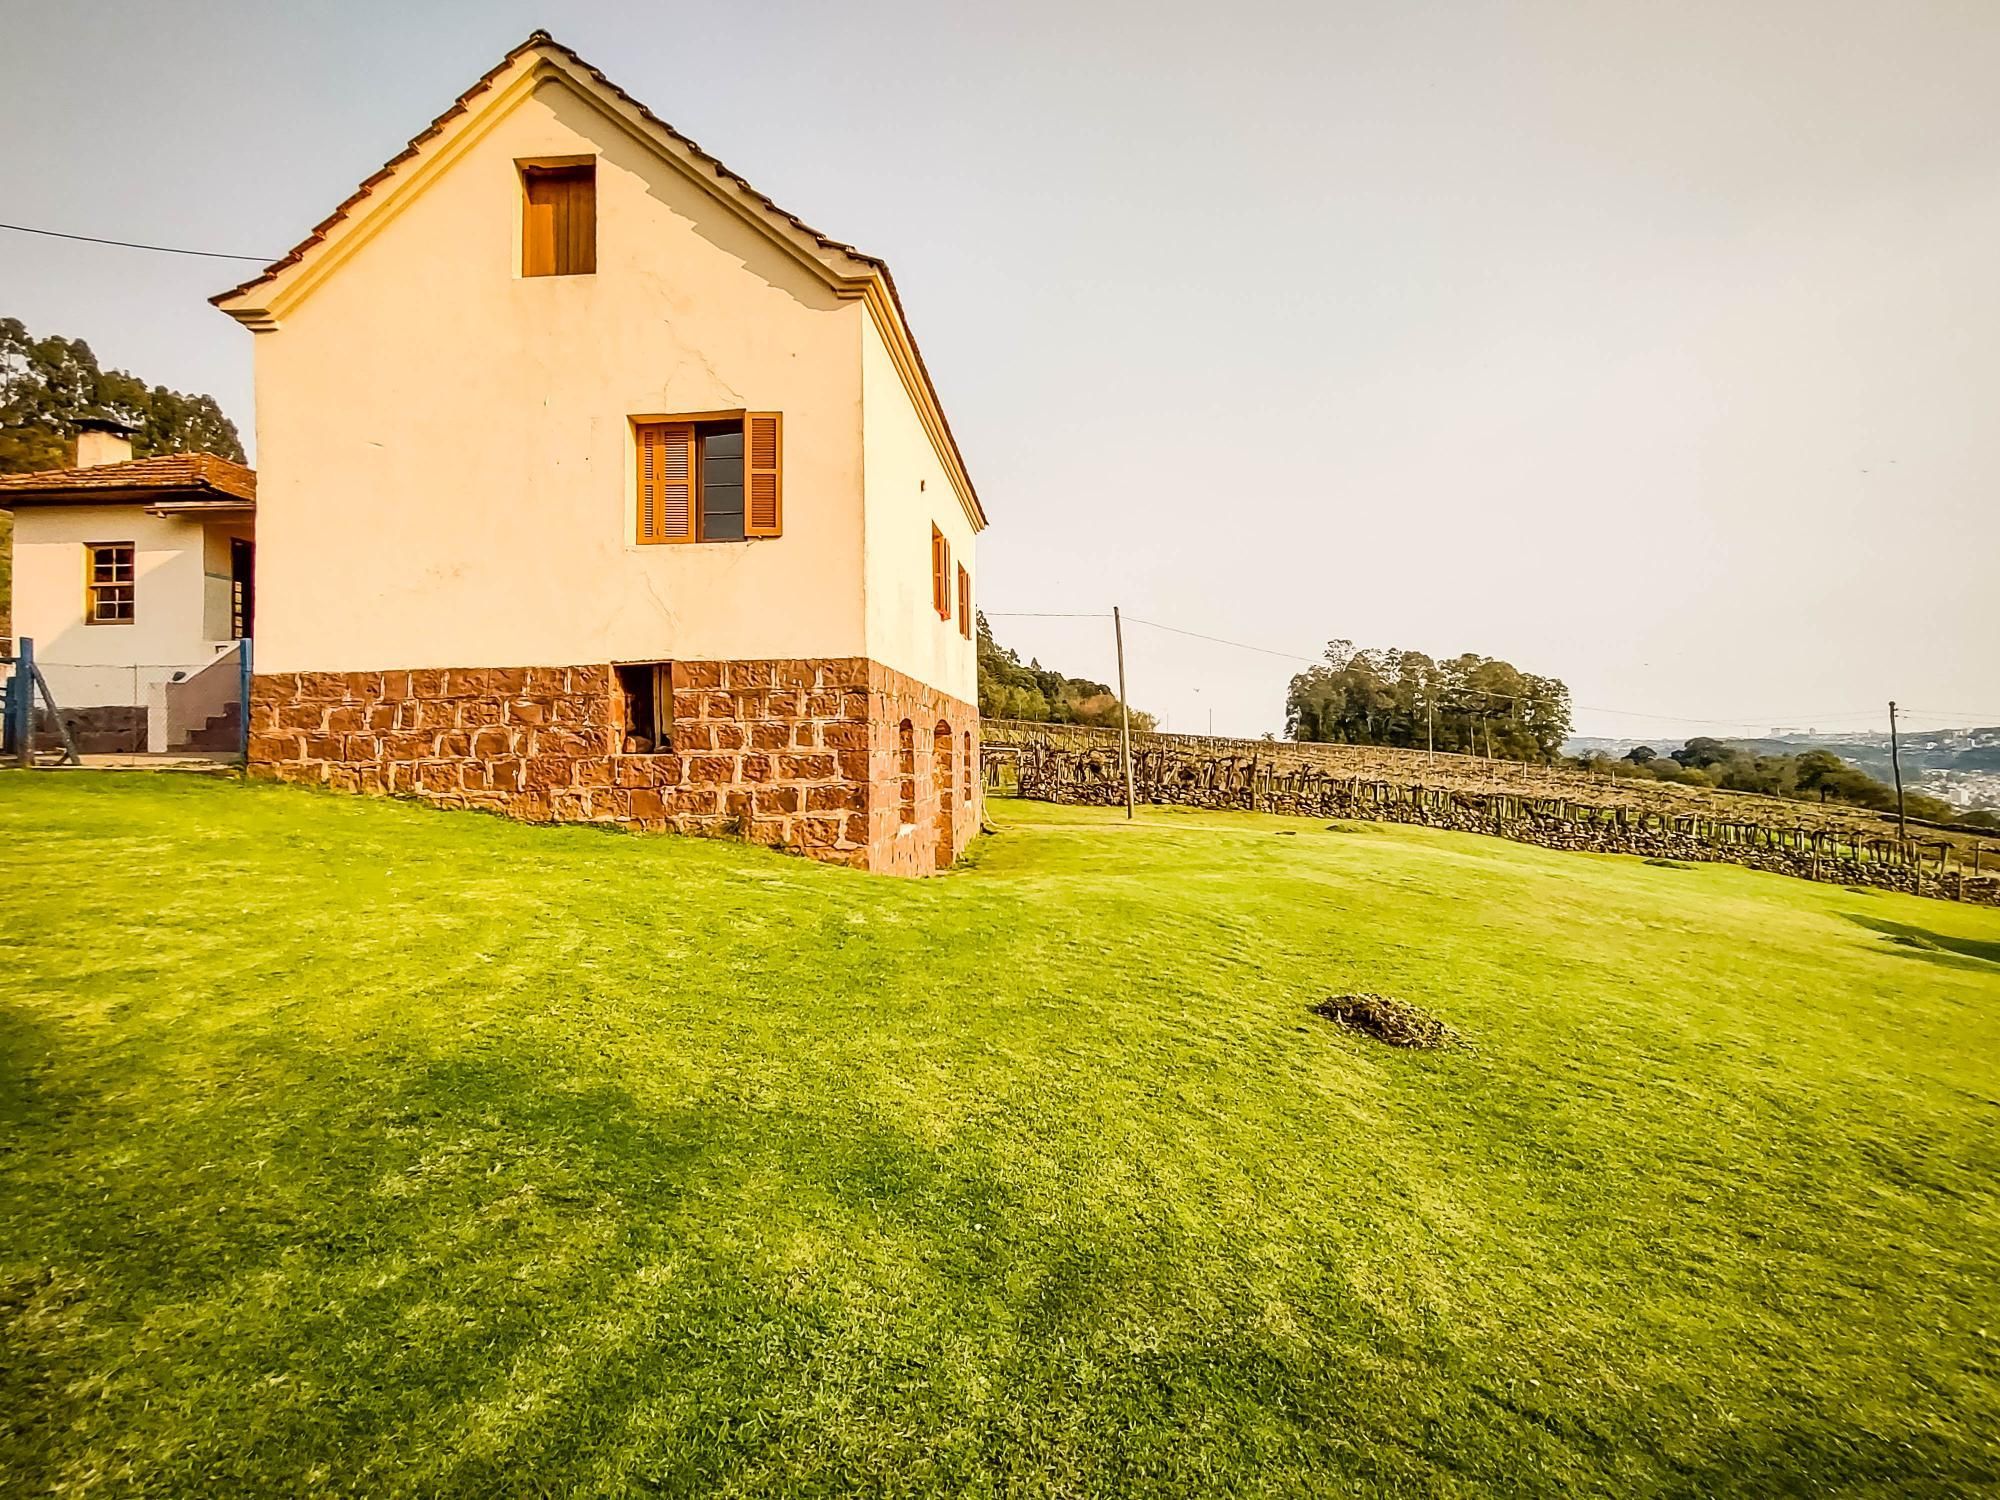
(712, 770)
(545, 772)
(777, 799)
(842, 796)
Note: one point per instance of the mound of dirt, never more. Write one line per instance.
(1396, 1022)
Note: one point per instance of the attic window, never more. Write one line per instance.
(559, 218)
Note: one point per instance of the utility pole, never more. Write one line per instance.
(1896, 765)
(1124, 713)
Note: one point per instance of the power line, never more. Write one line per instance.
(1218, 640)
(1046, 614)
(1867, 714)
(1990, 716)
(1489, 693)
(91, 239)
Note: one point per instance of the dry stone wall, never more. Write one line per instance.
(1093, 774)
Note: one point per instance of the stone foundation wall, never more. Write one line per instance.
(801, 755)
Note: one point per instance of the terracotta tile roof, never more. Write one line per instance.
(464, 101)
(166, 476)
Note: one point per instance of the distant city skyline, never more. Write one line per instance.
(1649, 348)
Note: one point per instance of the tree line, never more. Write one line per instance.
(46, 384)
(1468, 705)
(1480, 705)
(1012, 689)
(1810, 776)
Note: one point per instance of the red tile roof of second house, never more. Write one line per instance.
(195, 476)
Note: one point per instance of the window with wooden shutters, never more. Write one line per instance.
(763, 473)
(964, 602)
(559, 219)
(713, 477)
(940, 574)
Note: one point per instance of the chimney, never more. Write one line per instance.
(102, 440)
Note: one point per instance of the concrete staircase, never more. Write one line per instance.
(221, 735)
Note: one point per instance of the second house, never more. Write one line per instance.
(593, 485)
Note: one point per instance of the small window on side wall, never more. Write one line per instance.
(940, 574)
(559, 219)
(109, 581)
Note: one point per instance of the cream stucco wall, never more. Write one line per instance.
(445, 452)
(908, 491)
(92, 665)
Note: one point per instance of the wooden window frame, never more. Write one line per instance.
(526, 169)
(964, 602)
(754, 529)
(91, 584)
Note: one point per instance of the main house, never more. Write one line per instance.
(134, 578)
(594, 486)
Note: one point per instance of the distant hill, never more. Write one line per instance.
(1960, 767)
(1012, 689)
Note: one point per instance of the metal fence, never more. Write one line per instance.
(69, 709)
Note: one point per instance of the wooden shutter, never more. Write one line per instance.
(538, 230)
(964, 602)
(763, 473)
(666, 482)
(559, 221)
(940, 573)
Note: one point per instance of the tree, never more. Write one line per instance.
(46, 384)
(1471, 704)
(1009, 690)
(1640, 754)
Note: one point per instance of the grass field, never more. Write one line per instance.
(356, 1148)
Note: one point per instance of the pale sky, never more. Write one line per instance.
(1651, 346)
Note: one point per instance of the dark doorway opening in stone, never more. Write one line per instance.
(646, 698)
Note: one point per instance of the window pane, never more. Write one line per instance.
(724, 444)
(722, 513)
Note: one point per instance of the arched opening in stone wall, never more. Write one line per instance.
(942, 781)
(971, 792)
(906, 771)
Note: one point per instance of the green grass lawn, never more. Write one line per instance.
(349, 1147)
